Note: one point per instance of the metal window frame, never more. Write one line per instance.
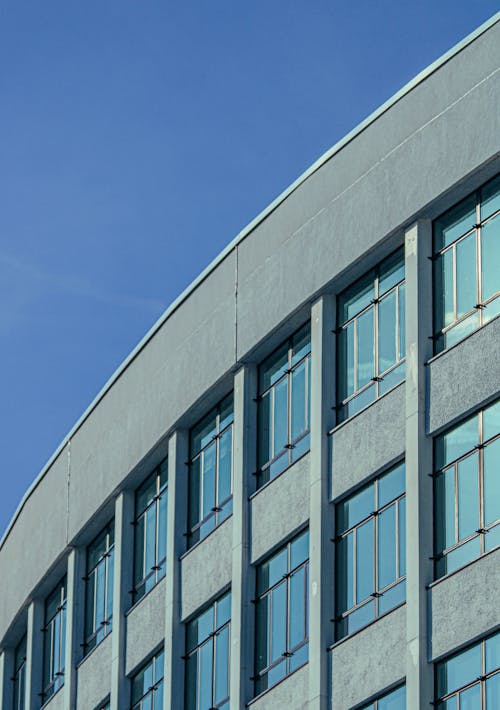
(482, 529)
(19, 676)
(374, 515)
(437, 256)
(375, 702)
(153, 688)
(200, 455)
(106, 624)
(211, 638)
(54, 674)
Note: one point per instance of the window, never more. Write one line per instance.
(370, 552)
(282, 613)
(207, 658)
(395, 700)
(467, 265)
(371, 336)
(99, 588)
(20, 675)
(54, 641)
(284, 410)
(150, 531)
(147, 685)
(471, 678)
(210, 471)
(467, 490)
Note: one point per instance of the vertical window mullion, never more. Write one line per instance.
(479, 286)
(455, 299)
(455, 473)
(355, 340)
(216, 475)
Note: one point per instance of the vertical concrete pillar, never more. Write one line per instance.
(176, 545)
(122, 584)
(6, 675)
(34, 655)
(74, 623)
(244, 463)
(320, 513)
(419, 493)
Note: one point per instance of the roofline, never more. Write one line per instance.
(337, 147)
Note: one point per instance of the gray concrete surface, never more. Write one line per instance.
(291, 693)
(94, 677)
(145, 627)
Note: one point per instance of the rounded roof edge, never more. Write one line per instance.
(324, 158)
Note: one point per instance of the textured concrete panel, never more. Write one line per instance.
(35, 542)
(189, 353)
(206, 569)
(279, 508)
(145, 627)
(367, 442)
(377, 656)
(462, 605)
(94, 677)
(464, 376)
(56, 702)
(291, 693)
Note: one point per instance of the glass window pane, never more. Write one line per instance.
(445, 509)
(491, 462)
(402, 536)
(225, 465)
(265, 419)
(205, 656)
(394, 701)
(271, 571)
(454, 223)
(392, 597)
(301, 344)
(273, 368)
(491, 421)
(490, 198)
(444, 300)
(278, 621)
(145, 494)
(492, 538)
(356, 508)
(364, 331)
(346, 364)
(468, 496)
(262, 643)
(97, 550)
(490, 258)
(163, 472)
(463, 554)
(139, 551)
(89, 606)
(223, 610)
(222, 665)
(150, 517)
(109, 594)
(402, 321)
(492, 653)
(208, 480)
(299, 550)
(194, 492)
(365, 583)
(345, 576)
(466, 275)
(493, 692)
(387, 562)
(459, 670)
(356, 297)
(162, 526)
(387, 351)
(203, 433)
(298, 384)
(280, 438)
(470, 699)
(391, 485)
(226, 412)
(359, 618)
(191, 681)
(457, 442)
(297, 620)
(100, 590)
(391, 272)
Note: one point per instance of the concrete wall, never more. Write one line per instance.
(368, 441)
(206, 569)
(291, 693)
(145, 627)
(94, 677)
(56, 702)
(377, 654)
(280, 508)
(461, 604)
(465, 376)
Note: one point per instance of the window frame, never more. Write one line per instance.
(304, 643)
(218, 512)
(158, 570)
(373, 276)
(106, 560)
(374, 705)
(342, 579)
(264, 472)
(156, 685)
(440, 556)
(53, 678)
(439, 335)
(19, 676)
(217, 630)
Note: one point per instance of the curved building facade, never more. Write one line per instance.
(289, 494)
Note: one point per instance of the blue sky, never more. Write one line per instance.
(136, 139)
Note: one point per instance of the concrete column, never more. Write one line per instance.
(6, 675)
(321, 512)
(242, 585)
(34, 654)
(419, 493)
(176, 545)
(122, 584)
(75, 595)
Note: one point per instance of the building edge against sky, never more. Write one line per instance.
(377, 193)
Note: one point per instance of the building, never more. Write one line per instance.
(288, 495)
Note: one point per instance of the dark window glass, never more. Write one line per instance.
(150, 539)
(371, 336)
(208, 639)
(99, 588)
(467, 490)
(211, 471)
(54, 637)
(284, 406)
(281, 611)
(19, 678)
(467, 265)
(370, 553)
(395, 700)
(147, 685)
